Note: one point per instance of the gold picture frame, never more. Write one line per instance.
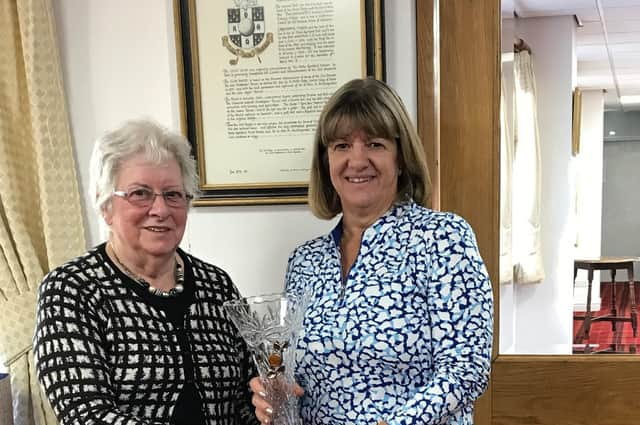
(576, 121)
(253, 77)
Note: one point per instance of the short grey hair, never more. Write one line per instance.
(155, 142)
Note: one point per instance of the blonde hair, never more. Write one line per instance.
(373, 107)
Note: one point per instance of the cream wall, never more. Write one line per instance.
(543, 311)
(589, 209)
(118, 60)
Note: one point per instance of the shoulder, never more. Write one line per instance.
(430, 219)
(78, 273)
(439, 236)
(316, 247)
(308, 262)
(203, 268)
(209, 277)
(78, 285)
(439, 225)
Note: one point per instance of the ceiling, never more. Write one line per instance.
(606, 60)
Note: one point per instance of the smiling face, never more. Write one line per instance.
(144, 232)
(364, 172)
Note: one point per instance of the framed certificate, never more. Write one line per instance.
(254, 76)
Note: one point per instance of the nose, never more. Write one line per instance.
(359, 156)
(159, 206)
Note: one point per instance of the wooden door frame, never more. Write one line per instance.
(459, 123)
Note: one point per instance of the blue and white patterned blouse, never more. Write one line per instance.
(408, 338)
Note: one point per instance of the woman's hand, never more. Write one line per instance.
(263, 409)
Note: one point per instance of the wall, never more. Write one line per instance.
(625, 125)
(621, 202)
(621, 199)
(589, 173)
(543, 312)
(118, 61)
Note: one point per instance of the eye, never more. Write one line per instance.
(339, 145)
(140, 194)
(377, 143)
(173, 196)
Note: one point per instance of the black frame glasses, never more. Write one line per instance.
(144, 197)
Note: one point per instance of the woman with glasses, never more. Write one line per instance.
(133, 331)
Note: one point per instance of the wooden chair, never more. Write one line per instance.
(611, 264)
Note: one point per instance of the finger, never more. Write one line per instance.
(263, 418)
(256, 385)
(298, 390)
(260, 403)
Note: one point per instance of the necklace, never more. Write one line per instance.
(173, 292)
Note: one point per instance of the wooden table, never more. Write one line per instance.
(611, 264)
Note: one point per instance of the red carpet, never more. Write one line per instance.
(601, 336)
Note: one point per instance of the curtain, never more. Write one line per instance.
(506, 182)
(527, 250)
(41, 222)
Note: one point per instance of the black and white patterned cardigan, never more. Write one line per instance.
(105, 356)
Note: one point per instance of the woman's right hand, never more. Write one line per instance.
(264, 410)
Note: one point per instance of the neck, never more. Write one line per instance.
(351, 230)
(356, 221)
(158, 270)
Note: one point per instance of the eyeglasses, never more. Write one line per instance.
(143, 197)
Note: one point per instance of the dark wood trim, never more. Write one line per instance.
(427, 92)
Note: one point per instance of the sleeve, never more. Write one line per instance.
(291, 282)
(460, 301)
(300, 270)
(70, 357)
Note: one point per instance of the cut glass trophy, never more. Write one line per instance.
(270, 325)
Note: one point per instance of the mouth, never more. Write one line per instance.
(359, 179)
(157, 229)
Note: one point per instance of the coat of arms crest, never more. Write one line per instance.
(247, 36)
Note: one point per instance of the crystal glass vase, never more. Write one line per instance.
(270, 325)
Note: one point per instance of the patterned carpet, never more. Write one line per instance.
(602, 338)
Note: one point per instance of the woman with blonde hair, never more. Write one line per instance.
(399, 327)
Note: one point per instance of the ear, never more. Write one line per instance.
(107, 214)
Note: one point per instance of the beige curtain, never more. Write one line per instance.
(41, 221)
(526, 237)
(506, 182)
